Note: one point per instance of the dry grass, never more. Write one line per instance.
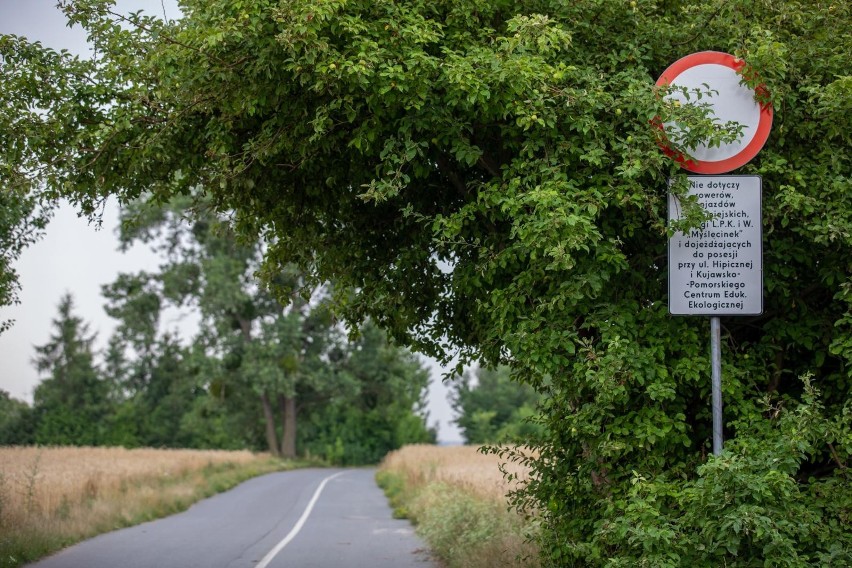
(457, 497)
(51, 497)
(464, 467)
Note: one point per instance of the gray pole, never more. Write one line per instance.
(716, 378)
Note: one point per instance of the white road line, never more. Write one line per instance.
(298, 526)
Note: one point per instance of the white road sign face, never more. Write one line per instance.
(718, 77)
(717, 269)
(731, 102)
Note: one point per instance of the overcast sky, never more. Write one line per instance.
(75, 257)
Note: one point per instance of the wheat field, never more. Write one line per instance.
(42, 481)
(464, 467)
(53, 496)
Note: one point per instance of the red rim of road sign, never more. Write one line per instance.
(760, 136)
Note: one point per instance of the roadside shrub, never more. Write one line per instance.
(758, 504)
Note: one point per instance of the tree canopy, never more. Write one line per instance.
(288, 354)
(21, 223)
(480, 177)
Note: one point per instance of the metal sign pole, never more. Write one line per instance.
(716, 379)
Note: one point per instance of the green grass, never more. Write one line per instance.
(463, 530)
(394, 487)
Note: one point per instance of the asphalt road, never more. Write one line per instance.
(317, 518)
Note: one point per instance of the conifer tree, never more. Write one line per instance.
(72, 400)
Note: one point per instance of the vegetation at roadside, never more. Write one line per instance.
(52, 497)
(481, 179)
(456, 496)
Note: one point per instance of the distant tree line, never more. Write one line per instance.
(492, 408)
(264, 371)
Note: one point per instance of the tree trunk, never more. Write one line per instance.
(287, 405)
(271, 436)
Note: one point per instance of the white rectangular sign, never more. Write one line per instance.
(717, 269)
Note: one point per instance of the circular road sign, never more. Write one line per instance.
(729, 100)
